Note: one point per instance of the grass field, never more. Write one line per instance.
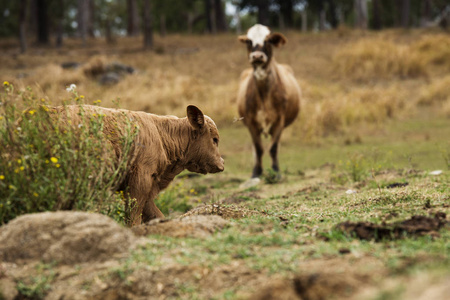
(375, 123)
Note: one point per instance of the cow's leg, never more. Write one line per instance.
(276, 135)
(259, 150)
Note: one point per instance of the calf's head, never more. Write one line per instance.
(259, 41)
(203, 155)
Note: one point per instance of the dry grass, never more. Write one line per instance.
(344, 111)
(437, 92)
(205, 70)
(378, 58)
(434, 49)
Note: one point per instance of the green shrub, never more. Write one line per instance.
(47, 166)
(175, 198)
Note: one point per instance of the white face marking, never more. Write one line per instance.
(257, 34)
(260, 73)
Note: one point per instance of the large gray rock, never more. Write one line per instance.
(63, 237)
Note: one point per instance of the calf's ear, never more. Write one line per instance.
(195, 117)
(243, 39)
(277, 39)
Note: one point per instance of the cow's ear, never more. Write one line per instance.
(277, 39)
(243, 39)
(195, 117)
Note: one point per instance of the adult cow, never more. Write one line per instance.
(269, 96)
(163, 147)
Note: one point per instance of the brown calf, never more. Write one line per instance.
(269, 96)
(164, 146)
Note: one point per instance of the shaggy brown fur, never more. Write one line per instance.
(164, 146)
(269, 96)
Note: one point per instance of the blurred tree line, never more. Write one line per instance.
(40, 21)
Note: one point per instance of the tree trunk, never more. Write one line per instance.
(42, 22)
(32, 18)
(322, 19)
(425, 13)
(190, 21)
(281, 23)
(376, 7)
(91, 19)
(221, 22)
(263, 12)
(406, 4)
(108, 32)
(237, 16)
(22, 27)
(361, 14)
(59, 24)
(304, 20)
(209, 27)
(332, 10)
(162, 25)
(83, 8)
(133, 18)
(148, 26)
(287, 11)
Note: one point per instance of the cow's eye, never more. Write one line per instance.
(216, 141)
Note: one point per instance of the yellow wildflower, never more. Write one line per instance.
(58, 165)
(5, 83)
(47, 161)
(54, 160)
(19, 161)
(35, 194)
(31, 112)
(16, 171)
(22, 168)
(2, 177)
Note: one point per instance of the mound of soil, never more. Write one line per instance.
(64, 237)
(415, 226)
(315, 286)
(197, 226)
(226, 212)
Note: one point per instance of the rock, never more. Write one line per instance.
(109, 78)
(64, 237)
(70, 65)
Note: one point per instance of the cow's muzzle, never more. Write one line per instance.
(257, 58)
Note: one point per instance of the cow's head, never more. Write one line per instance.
(259, 42)
(203, 154)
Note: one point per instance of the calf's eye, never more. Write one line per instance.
(216, 141)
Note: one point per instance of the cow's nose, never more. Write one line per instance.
(257, 56)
